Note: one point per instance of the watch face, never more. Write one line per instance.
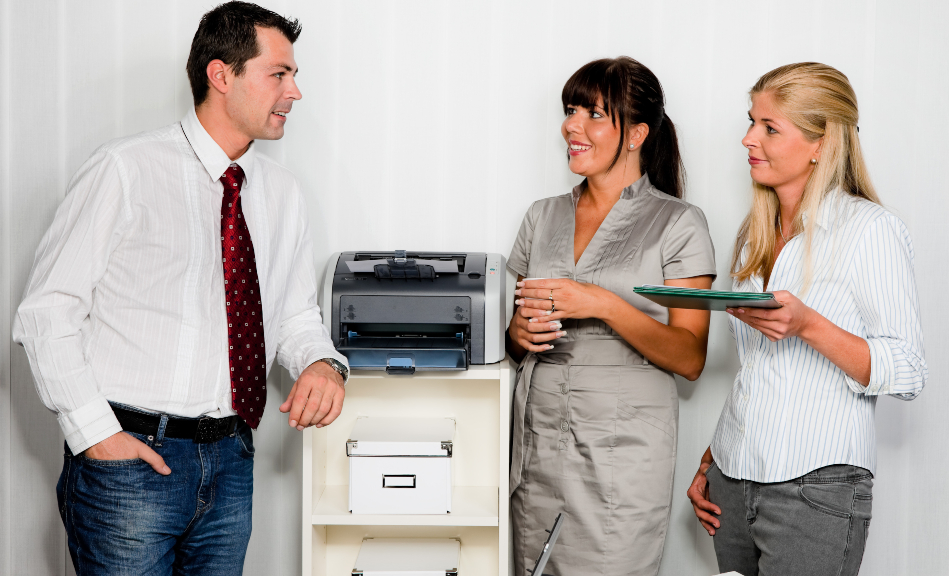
(336, 365)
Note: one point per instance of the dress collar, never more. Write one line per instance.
(210, 154)
(629, 192)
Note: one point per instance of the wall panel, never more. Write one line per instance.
(36, 180)
(6, 475)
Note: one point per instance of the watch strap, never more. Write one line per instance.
(338, 366)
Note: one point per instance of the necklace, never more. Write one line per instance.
(781, 231)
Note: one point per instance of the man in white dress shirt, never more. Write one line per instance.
(176, 270)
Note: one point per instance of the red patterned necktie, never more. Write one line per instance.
(245, 319)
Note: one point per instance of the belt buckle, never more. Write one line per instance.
(209, 430)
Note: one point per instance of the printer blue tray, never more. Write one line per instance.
(405, 355)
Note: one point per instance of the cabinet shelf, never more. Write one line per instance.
(471, 506)
(474, 372)
(479, 400)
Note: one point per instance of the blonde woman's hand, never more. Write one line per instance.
(567, 298)
(792, 319)
(698, 494)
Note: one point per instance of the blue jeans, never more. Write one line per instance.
(815, 525)
(123, 518)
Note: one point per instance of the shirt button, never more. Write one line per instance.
(564, 426)
(563, 387)
(741, 429)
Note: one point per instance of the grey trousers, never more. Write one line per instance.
(815, 525)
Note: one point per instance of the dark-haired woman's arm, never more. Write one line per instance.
(679, 347)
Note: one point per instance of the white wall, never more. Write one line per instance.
(433, 125)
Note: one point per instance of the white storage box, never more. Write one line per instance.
(400, 465)
(408, 557)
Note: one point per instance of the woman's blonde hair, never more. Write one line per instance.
(821, 103)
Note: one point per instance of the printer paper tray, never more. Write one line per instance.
(409, 355)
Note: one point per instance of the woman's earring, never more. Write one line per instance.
(632, 146)
(813, 160)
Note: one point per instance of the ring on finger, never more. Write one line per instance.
(553, 307)
(551, 297)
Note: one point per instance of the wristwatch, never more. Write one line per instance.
(338, 366)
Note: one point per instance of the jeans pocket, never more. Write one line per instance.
(833, 499)
(245, 439)
(112, 463)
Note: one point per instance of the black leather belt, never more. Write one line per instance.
(201, 430)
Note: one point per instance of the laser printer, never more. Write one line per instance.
(405, 311)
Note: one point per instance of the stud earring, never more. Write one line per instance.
(632, 146)
(813, 160)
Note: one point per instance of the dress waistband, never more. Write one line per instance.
(594, 352)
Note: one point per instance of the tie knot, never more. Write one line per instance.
(232, 178)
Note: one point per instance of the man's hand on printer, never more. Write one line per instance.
(316, 398)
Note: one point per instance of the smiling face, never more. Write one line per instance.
(778, 152)
(592, 139)
(262, 96)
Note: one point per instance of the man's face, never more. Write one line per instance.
(261, 98)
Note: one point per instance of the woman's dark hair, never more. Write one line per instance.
(229, 33)
(632, 95)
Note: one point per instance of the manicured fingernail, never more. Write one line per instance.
(550, 346)
(319, 425)
(561, 334)
(520, 284)
(517, 292)
(519, 302)
(730, 311)
(547, 312)
(293, 423)
(555, 325)
(532, 319)
(166, 470)
(300, 428)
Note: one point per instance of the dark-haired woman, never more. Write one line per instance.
(595, 407)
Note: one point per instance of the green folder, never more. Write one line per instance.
(697, 299)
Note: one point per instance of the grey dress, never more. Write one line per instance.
(594, 430)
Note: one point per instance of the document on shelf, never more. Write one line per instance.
(698, 299)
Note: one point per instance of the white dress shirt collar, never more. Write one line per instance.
(211, 155)
(828, 210)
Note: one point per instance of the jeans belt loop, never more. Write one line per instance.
(160, 435)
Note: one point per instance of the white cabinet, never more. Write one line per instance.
(479, 401)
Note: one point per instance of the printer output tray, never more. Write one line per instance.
(405, 355)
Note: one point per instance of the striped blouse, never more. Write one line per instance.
(791, 410)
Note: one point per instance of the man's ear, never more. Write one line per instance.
(218, 76)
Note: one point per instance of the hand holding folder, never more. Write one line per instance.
(697, 299)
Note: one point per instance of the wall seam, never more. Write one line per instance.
(63, 160)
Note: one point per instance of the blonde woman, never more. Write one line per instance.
(786, 485)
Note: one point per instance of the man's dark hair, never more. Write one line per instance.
(229, 33)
